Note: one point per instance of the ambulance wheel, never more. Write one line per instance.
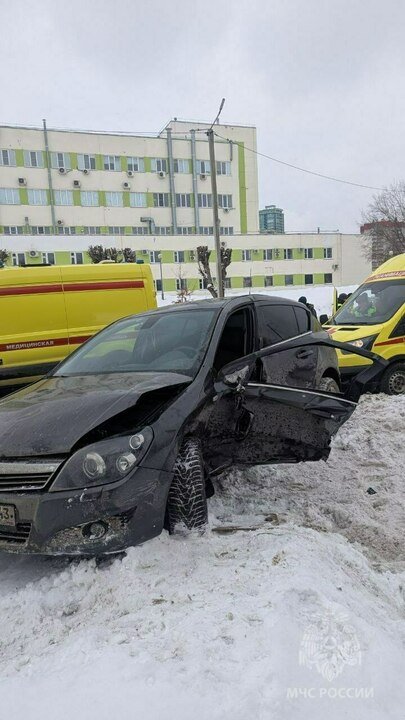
(393, 381)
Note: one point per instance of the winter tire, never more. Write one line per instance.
(393, 381)
(187, 502)
(328, 384)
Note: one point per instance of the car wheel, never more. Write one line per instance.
(328, 384)
(187, 502)
(393, 381)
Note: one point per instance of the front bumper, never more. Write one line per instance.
(57, 523)
(349, 373)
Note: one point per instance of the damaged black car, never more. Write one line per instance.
(125, 437)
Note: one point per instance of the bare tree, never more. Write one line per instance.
(384, 224)
(203, 261)
(4, 256)
(185, 291)
(98, 253)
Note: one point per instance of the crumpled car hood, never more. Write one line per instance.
(50, 417)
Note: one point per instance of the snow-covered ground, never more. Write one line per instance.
(321, 296)
(290, 606)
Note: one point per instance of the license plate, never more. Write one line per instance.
(7, 515)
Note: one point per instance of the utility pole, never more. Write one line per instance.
(48, 165)
(210, 134)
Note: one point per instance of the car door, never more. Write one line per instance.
(294, 367)
(255, 422)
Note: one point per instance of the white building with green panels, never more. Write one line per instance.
(258, 261)
(76, 183)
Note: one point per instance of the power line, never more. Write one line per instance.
(310, 172)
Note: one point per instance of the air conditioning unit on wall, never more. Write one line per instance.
(162, 174)
(33, 254)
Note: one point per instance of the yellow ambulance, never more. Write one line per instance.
(46, 312)
(373, 318)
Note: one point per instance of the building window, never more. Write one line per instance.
(309, 279)
(7, 157)
(327, 253)
(202, 283)
(40, 230)
(91, 230)
(288, 279)
(48, 258)
(137, 199)
(227, 283)
(161, 199)
(114, 199)
(63, 197)
(9, 196)
(179, 256)
(163, 230)
(206, 230)
(327, 278)
(182, 230)
(247, 282)
(288, 255)
(112, 162)
(116, 230)
(76, 258)
(183, 200)
(181, 166)
(140, 230)
(60, 160)
(226, 230)
(13, 230)
(18, 259)
(225, 201)
(204, 200)
(135, 164)
(159, 165)
(89, 198)
(203, 167)
(86, 162)
(308, 253)
(66, 231)
(37, 197)
(158, 285)
(223, 168)
(268, 254)
(268, 281)
(155, 256)
(34, 158)
(181, 284)
(246, 255)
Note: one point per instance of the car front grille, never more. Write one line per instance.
(17, 535)
(25, 476)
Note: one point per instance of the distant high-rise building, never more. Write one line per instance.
(271, 219)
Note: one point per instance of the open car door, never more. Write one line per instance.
(269, 423)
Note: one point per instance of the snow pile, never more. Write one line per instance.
(290, 606)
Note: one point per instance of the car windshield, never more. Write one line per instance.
(157, 342)
(372, 303)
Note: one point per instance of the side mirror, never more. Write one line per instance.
(234, 377)
(323, 319)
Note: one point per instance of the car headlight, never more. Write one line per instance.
(103, 462)
(365, 343)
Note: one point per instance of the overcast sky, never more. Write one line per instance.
(322, 80)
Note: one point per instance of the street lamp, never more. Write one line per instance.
(161, 276)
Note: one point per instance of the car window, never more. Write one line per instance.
(400, 328)
(303, 320)
(276, 323)
(236, 338)
(165, 342)
(372, 303)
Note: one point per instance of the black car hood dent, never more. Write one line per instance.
(50, 417)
